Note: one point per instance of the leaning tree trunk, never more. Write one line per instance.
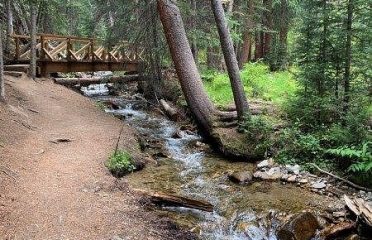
(240, 99)
(2, 89)
(188, 75)
(33, 42)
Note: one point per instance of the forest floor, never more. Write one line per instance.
(53, 182)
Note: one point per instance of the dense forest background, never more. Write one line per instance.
(310, 59)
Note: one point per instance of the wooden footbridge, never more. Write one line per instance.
(57, 53)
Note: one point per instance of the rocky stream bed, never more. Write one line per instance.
(251, 201)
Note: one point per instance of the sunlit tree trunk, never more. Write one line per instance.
(240, 99)
(188, 75)
(33, 41)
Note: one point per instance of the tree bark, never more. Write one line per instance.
(2, 85)
(283, 34)
(33, 41)
(188, 75)
(247, 37)
(177, 201)
(9, 28)
(349, 32)
(194, 47)
(230, 59)
(268, 20)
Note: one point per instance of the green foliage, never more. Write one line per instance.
(258, 82)
(295, 146)
(100, 105)
(120, 163)
(362, 158)
(258, 130)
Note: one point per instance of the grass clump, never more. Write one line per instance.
(258, 82)
(120, 163)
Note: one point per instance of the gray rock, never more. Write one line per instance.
(303, 181)
(266, 163)
(293, 169)
(272, 174)
(241, 177)
(285, 177)
(319, 185)
(292, 178)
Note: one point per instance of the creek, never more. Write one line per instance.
(184, 168)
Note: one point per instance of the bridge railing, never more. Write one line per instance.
(56, 48)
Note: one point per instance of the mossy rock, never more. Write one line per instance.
(236, 145)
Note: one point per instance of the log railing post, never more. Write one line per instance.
(69, 49)
(92, 49)
(42, 46)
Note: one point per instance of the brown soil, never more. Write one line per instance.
(61, 190)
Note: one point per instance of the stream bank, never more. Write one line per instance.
(183, 165)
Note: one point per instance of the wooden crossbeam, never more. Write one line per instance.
(28, 52)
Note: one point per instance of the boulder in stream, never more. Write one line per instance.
(301, 226)
(242, 177)
(266, 163)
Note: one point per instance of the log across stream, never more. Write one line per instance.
(185, 169)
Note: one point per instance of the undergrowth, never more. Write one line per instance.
(258, 82)
(120, 163)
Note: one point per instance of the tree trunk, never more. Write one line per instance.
(268, 22)
(258, 54)
(230, 59)
(230, 7)
(247, 37)
(349, 32)
(33, 42)
(9, 28)
(187, 71)
(2, 85)
(283, 35)
(194, 47)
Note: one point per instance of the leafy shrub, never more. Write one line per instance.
(362, 157)
(258, 131)
(299, 147)
(120, 163)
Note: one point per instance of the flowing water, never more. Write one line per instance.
(241, 212)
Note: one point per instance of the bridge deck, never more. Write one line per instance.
(57, 53)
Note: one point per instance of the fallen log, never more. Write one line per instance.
(337, 230)
(169, 111)
(360, 208)
(89, 81)
(176, 201)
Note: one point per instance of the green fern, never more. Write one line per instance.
(362, 157)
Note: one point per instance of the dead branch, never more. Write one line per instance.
(341, 179)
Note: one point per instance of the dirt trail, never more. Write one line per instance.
(62, 190)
